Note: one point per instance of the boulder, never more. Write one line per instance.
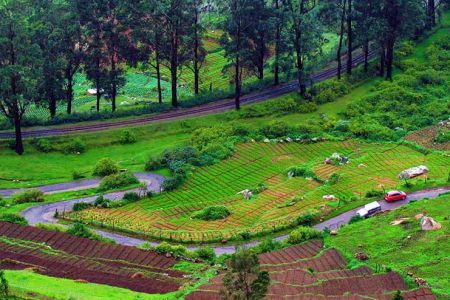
(333, 232)
(266, 141)
(329, 197)
(361, 256)
(419, 216)
(413, 172)
(428, 223)
(400, 221)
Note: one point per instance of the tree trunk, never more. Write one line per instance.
(114, 83)
(349, 39)
(196, 57)
(341, 39)
(69, 92)
(366, 55)
(18, 130)
(158, 77)
(431, 14)
(237, 81)
(52, 106)
(300, 66)
(174, 69)
(382, 60)
(261, 56)
(390, 57)
(276, 66)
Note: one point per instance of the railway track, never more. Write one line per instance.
(205, 109)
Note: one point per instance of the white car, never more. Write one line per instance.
(369, 209)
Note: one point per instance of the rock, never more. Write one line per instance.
(410, 274)
(137, 275)
(421, 282)
(409, 237)
(333, 232)
(360, 166)
(400, 221)
(361, 256)
(266, 140)
(289, 140)
(224, 241)
(419, 216)
(168, 255)
(428, 223)
(329, 197)
(413, 172)
(328, 161)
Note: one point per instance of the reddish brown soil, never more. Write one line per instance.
(61, 255)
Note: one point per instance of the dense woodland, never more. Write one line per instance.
(44, 43)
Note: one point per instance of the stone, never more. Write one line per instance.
(428, 223)
(224, 241)
(360, 166)
(329, 197)
(266, 140)
(333, 232)
(400, 221)
(419, 216)
(361, 256)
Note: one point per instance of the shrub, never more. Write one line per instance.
(13, 218)
(276, 129)
(81, 206)
(205, 253)
(116, 181)
(51, 227)
(303, 234)
(105, 167)
(102, 202)
(306, 219)
(77, 175)
(131, 197)
(127, 137)
(153, 164)
(165, 247)
(329, 90)
(43, 145)
(245, 235)
(76, 146)
(204, 136)
(172, 183)
(29, 196)
(334, 178)
(212, 213)
(355, 219)
(268, 245)
(80, 230)
(374, 194)
(307, 107)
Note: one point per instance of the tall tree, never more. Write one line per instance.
(245, 280)
(49, 35)
(349, 37)
(278, 20)
(176, 25)
(401, 18)
(198, 52)
(239, 21)
(306, 35)
(20, 63)
(261, 35)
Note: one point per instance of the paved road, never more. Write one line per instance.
(210, 108)
(150, 179)
(44, 214)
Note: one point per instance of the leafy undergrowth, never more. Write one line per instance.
(404, 248)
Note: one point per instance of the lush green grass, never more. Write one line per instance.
(424, 254)
(27, 283)
(169, 215)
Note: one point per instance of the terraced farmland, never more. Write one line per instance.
(292, 278)
(168, 215)
(62, 255)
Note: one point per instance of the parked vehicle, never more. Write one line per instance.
(369, 209)
(393, 196)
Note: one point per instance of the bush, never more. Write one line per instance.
(77, 175)
(303, 234)
(334, 179)
(76, 146)
(355, 219)
(212, 213)
(276, 129)
(105, 167)
(13, 218)
(43, 145)
(374, 194)
(205, 253)
(153, 164)
(306, 219)
(102, 202)
(131, 197)
(127, 137)
(80, 230)
(165, 247)
(81, 206)
(330, 90)
(29, 196)
(116, 181)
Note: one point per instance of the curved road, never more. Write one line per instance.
(44, 213)
(210, 108)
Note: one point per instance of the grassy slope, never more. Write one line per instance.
(26, 283)
(426, 254)
(36, 168)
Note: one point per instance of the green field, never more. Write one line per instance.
(168, 216)
(423, 254)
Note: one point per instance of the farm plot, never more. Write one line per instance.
(309, 272)
(168, 216)
(61, 255)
